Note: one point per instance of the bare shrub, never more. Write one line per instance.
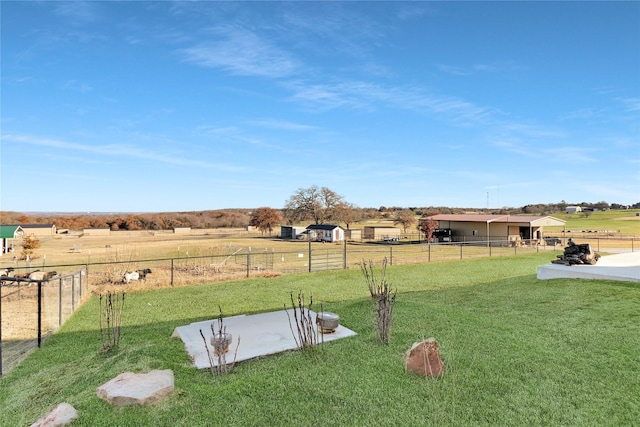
(375, 285)
(384, 297)
(111, 307)
(220, 348)
(306, 334)
(119, 261)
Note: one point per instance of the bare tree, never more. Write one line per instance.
(265, 219)
(347, 213)
(406, 217)
(319, 205)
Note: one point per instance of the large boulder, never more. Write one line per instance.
(61, 415)
(137, 389)
(423, 358)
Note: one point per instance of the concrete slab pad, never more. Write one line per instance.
(624, 267)
(260, 335)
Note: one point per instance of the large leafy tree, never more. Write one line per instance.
(265, 219)
(318, 204)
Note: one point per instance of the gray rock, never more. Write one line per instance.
(137, 389)
(61, 415)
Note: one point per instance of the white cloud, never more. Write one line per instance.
(243, 53)
(631, 104)
(282, 125)
(124, 151)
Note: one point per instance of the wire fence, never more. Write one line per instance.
(31, 310)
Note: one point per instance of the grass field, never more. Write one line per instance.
(518, 351)
(624, 222)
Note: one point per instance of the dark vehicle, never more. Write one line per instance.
(442, 234)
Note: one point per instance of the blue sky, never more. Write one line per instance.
(180, 106)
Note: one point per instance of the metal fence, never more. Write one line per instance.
(306, 257)
(31, 310)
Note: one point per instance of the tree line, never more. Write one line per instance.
(317, 205)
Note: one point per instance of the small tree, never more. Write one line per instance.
(111, 306)
(406, 217)
(29, 245)
(384, 297)
(427, 226)
(347, 213)
(265, 219)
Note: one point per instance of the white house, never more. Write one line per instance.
(574, 209)
(326, 232)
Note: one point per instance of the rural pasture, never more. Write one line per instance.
(516, 350)
(220, 255)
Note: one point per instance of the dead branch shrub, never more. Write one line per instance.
(119, 261)
(384, 297)
(306, 334)
(220, 348)
(375, 285)
(111, 307)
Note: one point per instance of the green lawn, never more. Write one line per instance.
(620, 221)
(517, 351)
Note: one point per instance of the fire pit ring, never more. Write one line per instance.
(327, 322)
(221, 342)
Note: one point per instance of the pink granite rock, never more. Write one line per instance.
(423, 358)
(137, 389)
(61, 415)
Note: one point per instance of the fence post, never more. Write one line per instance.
(248, 262)
(39, 313)
(429, 251)
(344, 256)
(490, 248)
(460, 250)
(309, 235)
(73, 292)
(391, 255)
(172, 272)
(0, 329)
(60, 302)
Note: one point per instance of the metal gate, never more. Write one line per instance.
(327, 259)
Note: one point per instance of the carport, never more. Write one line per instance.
(474, 227)
(8, 234)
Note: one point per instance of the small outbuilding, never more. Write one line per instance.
(384, 233)
(573, 209)
(8, 235)
(96, 231)
(292, 232)
(181, 230)
(326, 232)
(38, 229)
(353, 234)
